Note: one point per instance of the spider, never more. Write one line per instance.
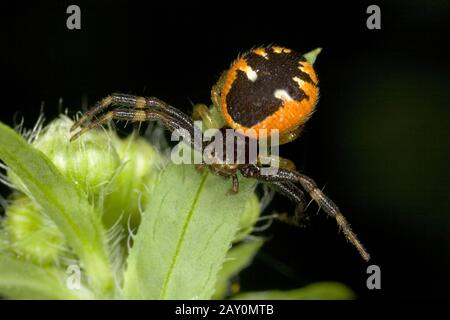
(269, 88)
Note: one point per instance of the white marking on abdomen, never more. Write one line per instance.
(299, 81)
(282, 95)
(251, 74)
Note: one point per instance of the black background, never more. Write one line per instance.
(379, 140)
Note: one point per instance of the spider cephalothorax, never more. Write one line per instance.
(266, 91)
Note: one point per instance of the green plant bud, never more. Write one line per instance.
(89, 161)
(129, 191)
(32, 234)
(248, 218)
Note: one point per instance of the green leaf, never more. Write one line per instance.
(316, 291)
(248, 218)
(184, 235)
(20, 279)
(238, 258)
(64, 203)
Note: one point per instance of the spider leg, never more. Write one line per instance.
(296, 195)
(106, 117)
(282, 162)
(128, 115)
(201, 112)
(99, 106)
(332, 210)
(141, 115)
(135, 103)
(136, 108)
(328, 206)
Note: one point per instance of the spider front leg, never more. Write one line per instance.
(136, 103)
(136, 108)
(116, 99)
(284, 176)
(129, 115)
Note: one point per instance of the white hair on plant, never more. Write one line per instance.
(114, 236)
